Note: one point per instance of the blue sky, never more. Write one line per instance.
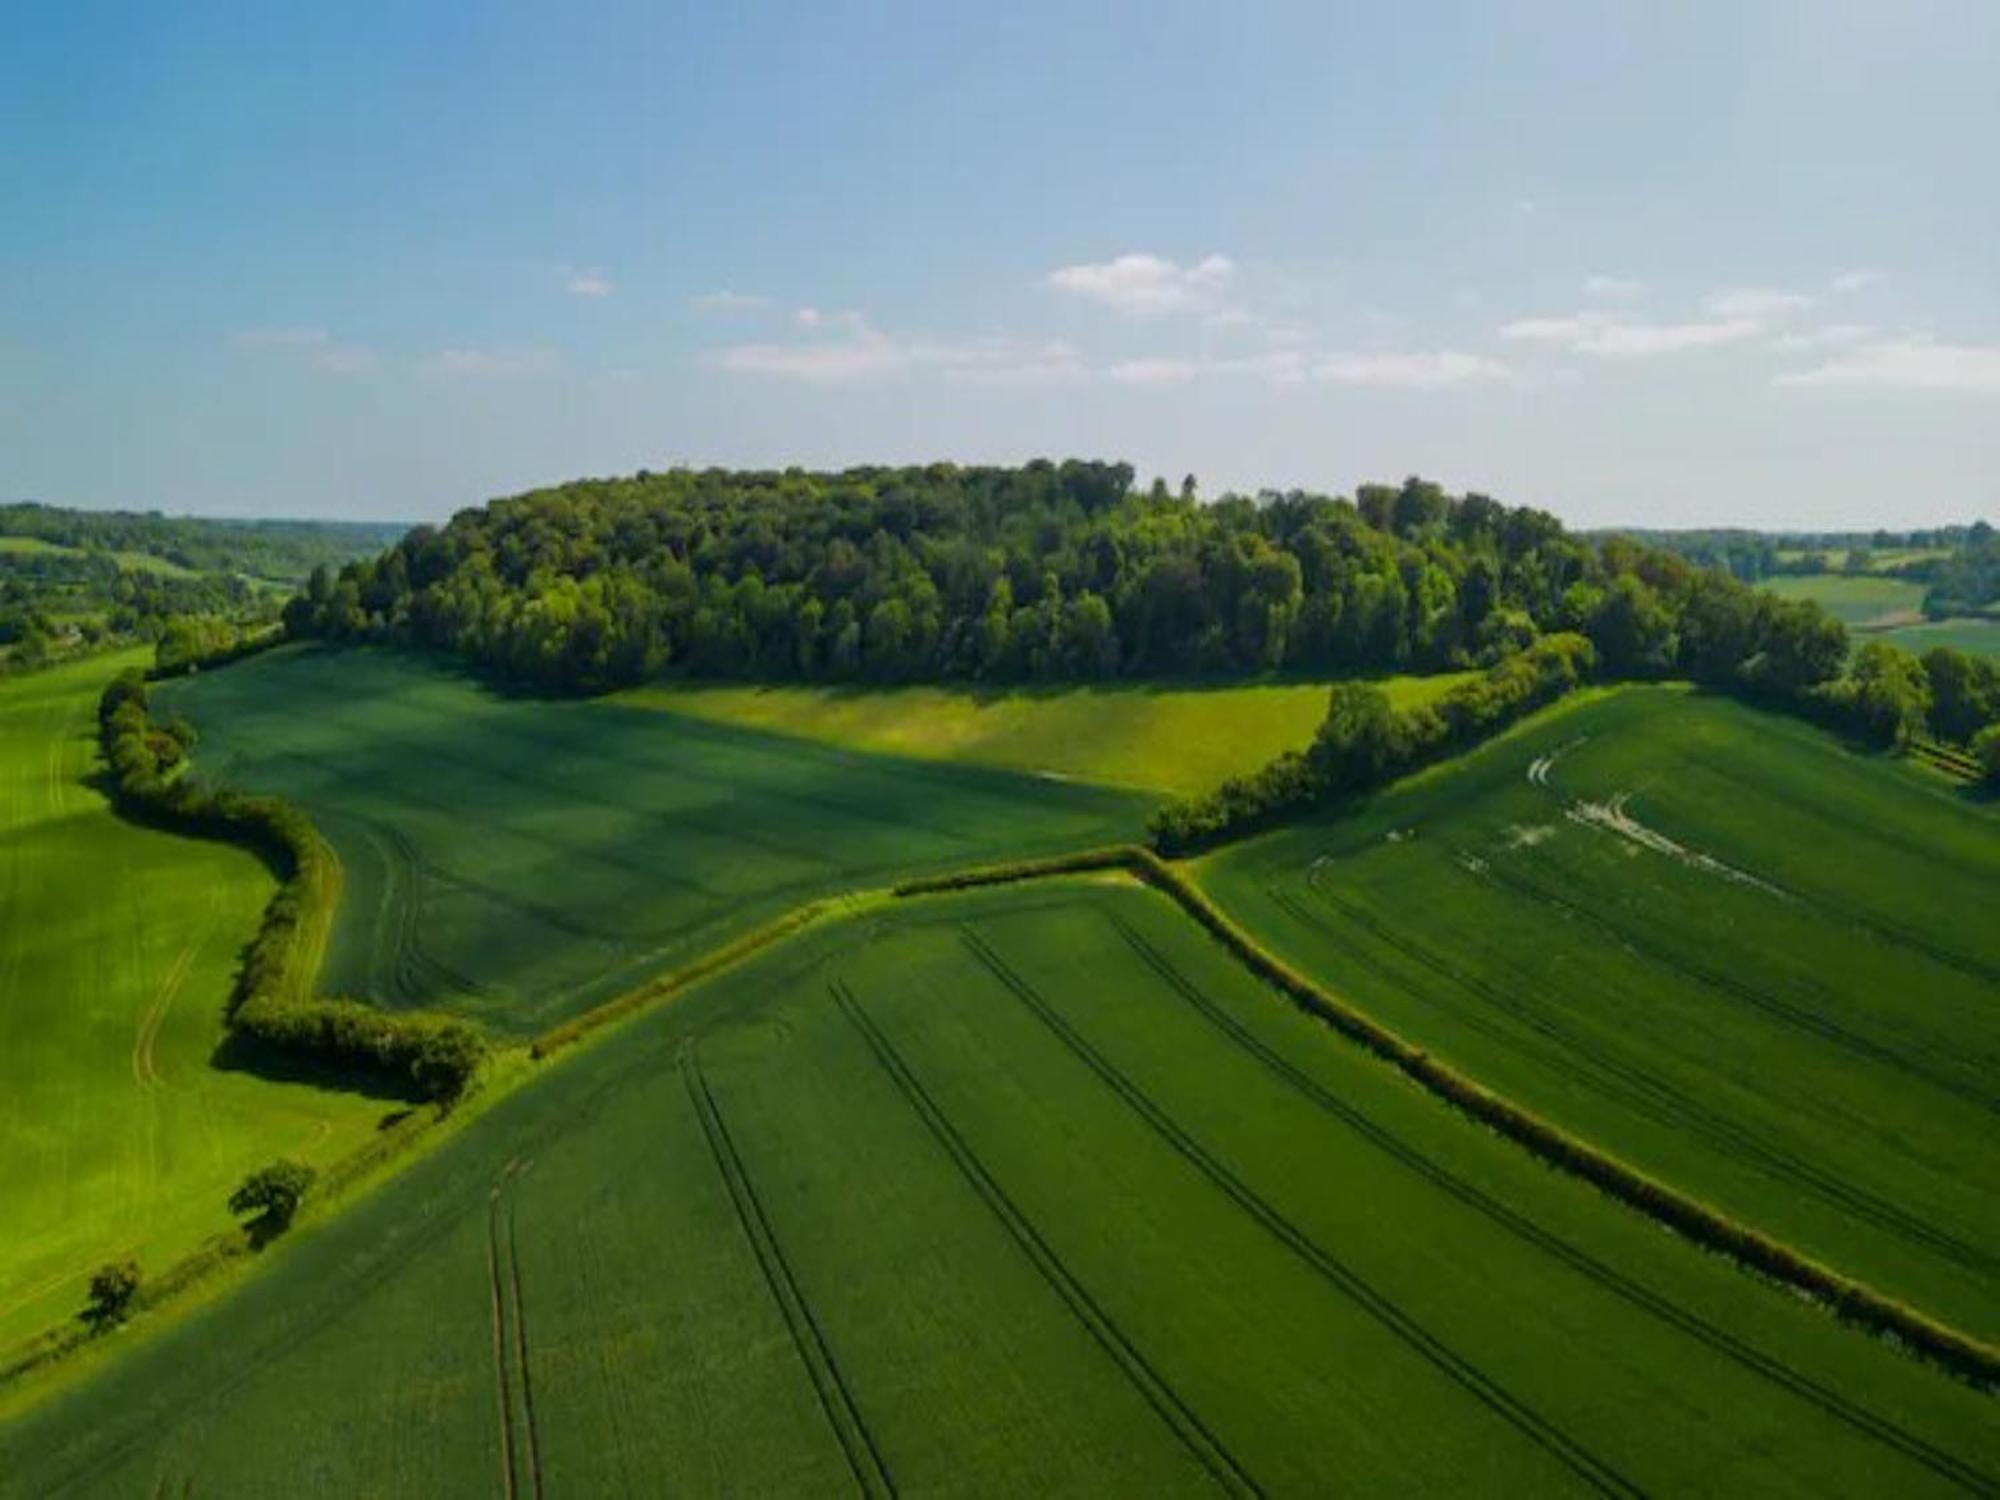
(1662, 264)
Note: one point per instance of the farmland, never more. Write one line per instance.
(1855, 599)
(519, 859)
(1713, 940)
(1179, 739)
(118, 1135)
(824, 1223)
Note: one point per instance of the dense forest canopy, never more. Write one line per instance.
(1046, 572)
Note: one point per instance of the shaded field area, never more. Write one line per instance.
(1974, 637)
(118, 1135)
(520, 859)
(1033, 1190)
(1160, 738)
(1713, 941)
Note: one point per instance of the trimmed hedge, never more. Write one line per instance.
(272, 1002)
(1111, 857)
(1365, 742)
(1852, 1300)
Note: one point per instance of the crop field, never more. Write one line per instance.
(1750, 961)
(1160, 738)
(520, 859)
(1854, 599)
(117, 1133)
(1975, 637)
(1034, 1190)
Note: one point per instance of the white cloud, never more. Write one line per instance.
(1148, 284)
(589, 284)
(1755, 304)
(1407, 371)
(1912, 364)
(726, 301)
(1828, 336)
(1158, 371)
(503, 363)
(282, 338)
(1855, 281)
(1376, 368)
(862, 352)
(314, 346)
(1599, 334)
(1612, 288)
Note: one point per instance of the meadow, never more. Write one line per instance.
(823, 1223)
(518, 859)
(118, 1133)
(1164, 738)
(1856, 599)
(1715, 941)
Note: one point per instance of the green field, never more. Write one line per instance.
(1175, 740)
(1710, 939)
(519, 859)
(1975, 637)
(826, 1225)
(117, 944)
(1854, 599)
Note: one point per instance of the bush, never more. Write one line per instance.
(1986, 750)
(273, 1193)
(112, 1289)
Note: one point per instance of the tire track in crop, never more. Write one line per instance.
(1636, 1293)
(500, 1374)
(1646, 1095)
(519, 1307)
(1832, 1032)
(1502, 1403)
(145, 1072)
(864, 1459)
(1181, 1419)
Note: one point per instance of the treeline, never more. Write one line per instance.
(1047, 572)
(1752, 556)
(1967, 582)
(284, 551)
(271, 1002)
(1365, 741)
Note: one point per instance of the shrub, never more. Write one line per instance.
(273, 1193)
(112, 1289)
(1986, 750)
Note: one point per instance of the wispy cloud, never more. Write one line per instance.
(314, 347)
(1612, 288)
(1756, 303)
(1604, 336)
(726, 301)
(1848, 282)
(1911, 364)
(1148, 284)
(588, 284)
(493, 363)
(1380, 369)
(854, 351)
(1827, 336)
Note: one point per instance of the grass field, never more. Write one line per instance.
(1173, 740)
(1034, 1191)
(1712, 940)
(1855, 600)
(116, 949)
(1975, 637)
(520, 859)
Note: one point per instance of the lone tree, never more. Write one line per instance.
(273, 1193)
(111, 1292)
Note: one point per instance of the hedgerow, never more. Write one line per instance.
(271, 1002)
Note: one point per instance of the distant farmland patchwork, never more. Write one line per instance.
(1750, 961)
(1888, 609)
(519, 859)
(825, 1225)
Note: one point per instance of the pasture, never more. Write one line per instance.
(1168, 739)
(1975, 637)
(1714, 941)
(1029, 1191)
(1856, 600)
(118, 1135)
(519, 859)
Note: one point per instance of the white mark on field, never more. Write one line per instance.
(1611, 817)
